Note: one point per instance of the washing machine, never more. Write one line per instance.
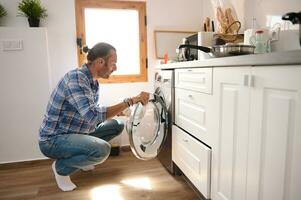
(150, 126)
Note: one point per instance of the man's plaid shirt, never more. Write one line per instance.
(72, 107)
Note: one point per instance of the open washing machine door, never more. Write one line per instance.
(147, 128)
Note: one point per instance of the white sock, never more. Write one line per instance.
(88, 168)
(63, 182)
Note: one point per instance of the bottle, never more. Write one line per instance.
(250, 33)
(165, 58)
(260, 42)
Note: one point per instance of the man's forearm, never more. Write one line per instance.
(112, 111)
(116, 109)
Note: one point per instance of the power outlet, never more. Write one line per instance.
(12, 45)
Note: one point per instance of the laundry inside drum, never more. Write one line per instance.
(147, 127)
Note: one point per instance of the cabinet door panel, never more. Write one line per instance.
(196, 79)
(274, 140)
(230, 151)
(193, 113)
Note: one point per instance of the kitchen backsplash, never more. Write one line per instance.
(268, 12)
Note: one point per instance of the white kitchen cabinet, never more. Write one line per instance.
(193, 158)
(25, 85)
(193, 108)
(258, 135)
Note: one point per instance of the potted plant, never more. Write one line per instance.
(2, 11)
(33, 10)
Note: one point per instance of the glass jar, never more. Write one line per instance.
(260, 42)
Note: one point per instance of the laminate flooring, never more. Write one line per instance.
(122, 177)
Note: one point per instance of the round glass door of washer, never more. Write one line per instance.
(147, 128)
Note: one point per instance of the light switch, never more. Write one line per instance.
(12, 45)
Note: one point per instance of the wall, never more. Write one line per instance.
(261, 9)
(24, 90)
(246, 10)
(61, 29)
(60, 24)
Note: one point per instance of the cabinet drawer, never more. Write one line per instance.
(193, 158)
(196, 79)
(192, 113)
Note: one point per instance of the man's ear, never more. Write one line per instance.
(101, 60)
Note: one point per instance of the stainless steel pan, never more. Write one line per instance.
(221, 50)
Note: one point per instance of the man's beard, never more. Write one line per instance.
(107, 75)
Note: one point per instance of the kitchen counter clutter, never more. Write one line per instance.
(275, 58)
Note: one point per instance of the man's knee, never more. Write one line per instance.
(102, 151)
(119, 126)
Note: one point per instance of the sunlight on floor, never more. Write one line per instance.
(143, 183)
(111, 192)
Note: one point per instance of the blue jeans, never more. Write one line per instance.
(74, 151)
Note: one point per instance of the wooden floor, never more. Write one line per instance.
(121, 177)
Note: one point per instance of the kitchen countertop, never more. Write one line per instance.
(275, 58)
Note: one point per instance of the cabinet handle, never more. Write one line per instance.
(165, 80)
(252, 81)
(246, 80)
(190, 96)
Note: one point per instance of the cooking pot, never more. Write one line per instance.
(220, 50)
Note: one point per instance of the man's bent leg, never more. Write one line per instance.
(74, 151)
(108, 129)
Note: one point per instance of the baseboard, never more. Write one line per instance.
(43, 161)
(25, 164)
(126, 148)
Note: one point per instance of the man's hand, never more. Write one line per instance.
(143, 97)
(120, 114)
(126, 112)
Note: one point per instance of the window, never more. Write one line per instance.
(121, 24)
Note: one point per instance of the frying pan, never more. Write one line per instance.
(220, 50)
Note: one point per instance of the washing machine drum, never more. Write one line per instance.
(147, 128)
